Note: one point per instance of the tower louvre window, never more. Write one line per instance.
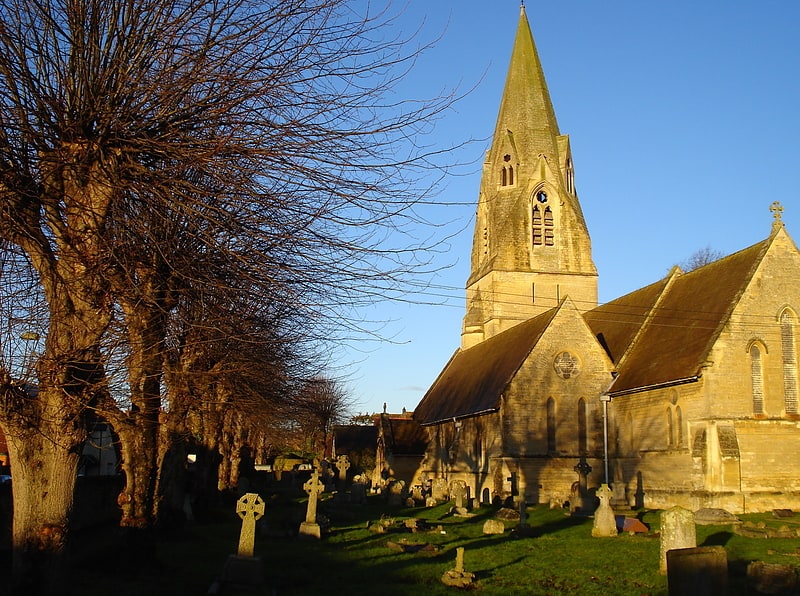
(537, 226)
(507, 176)
(548, 227)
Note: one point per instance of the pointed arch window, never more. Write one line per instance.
(757, 379)
(507, 176)
(670, 428)
(679, 426)
(582, 428)
(551, 425)
(789, 362)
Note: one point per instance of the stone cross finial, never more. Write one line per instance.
(250, 508)
(313, 487)
(777, 213)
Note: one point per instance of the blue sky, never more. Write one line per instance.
(684, 126)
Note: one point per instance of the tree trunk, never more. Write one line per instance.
(45, 465)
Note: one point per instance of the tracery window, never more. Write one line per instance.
(789, 362)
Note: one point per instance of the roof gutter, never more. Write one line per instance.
(462, 417)
(663, 385)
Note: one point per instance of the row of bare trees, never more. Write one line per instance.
(194, 196)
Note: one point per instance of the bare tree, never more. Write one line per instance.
(702, 257)
(267, 134)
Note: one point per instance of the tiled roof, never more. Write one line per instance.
(351, 438)
(475, 378)
(679, 318)
(404, 436)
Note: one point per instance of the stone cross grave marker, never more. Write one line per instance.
(250, 508)
(313, 487)
(605, 522)
(342, 464)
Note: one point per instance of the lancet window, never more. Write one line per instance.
(789, 362)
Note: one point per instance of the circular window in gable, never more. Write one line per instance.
(566, 365)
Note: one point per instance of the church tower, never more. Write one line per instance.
(531, 246)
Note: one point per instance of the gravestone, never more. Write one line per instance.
(677, 531)
(358, 490)
(458, 491)
(396, 493)
(439, 489)
(605, 523)
(313, 487)
(699, 571)
(244, 568)
(457, 577)
(342, 464)
(493, 526)
(580, 500)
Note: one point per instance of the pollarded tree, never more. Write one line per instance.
(267, 132)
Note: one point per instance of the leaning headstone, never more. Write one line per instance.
(243, 567)
(313, 487)
(677, 531)
(605, 523)
(457, 577)
(493, 526)
(699, 571)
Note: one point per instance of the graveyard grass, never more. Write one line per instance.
(560, 556)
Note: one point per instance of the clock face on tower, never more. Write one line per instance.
(541, 196)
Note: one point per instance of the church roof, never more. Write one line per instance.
(404, 435)
(474, 379)
(663, 333)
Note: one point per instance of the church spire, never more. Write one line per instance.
(531, 247)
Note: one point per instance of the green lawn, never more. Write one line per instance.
(559, 557)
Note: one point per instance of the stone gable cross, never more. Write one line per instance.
(250, 508)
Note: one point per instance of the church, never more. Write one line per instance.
(684, 392)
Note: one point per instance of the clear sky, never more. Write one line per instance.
(684, 126)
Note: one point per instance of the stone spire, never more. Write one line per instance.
(531, 246)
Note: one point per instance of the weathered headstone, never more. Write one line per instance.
(358, 491)
(771, 578)
(457, 577)
(677, 531)
(342, 464)
(580, 499)
(396, 492)
(699, 571)
(493, 526)
(250, 508)
(243, 567)
(605, 523)
(523, 514)
(439, 489)
(313, 487)
(458, 491)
